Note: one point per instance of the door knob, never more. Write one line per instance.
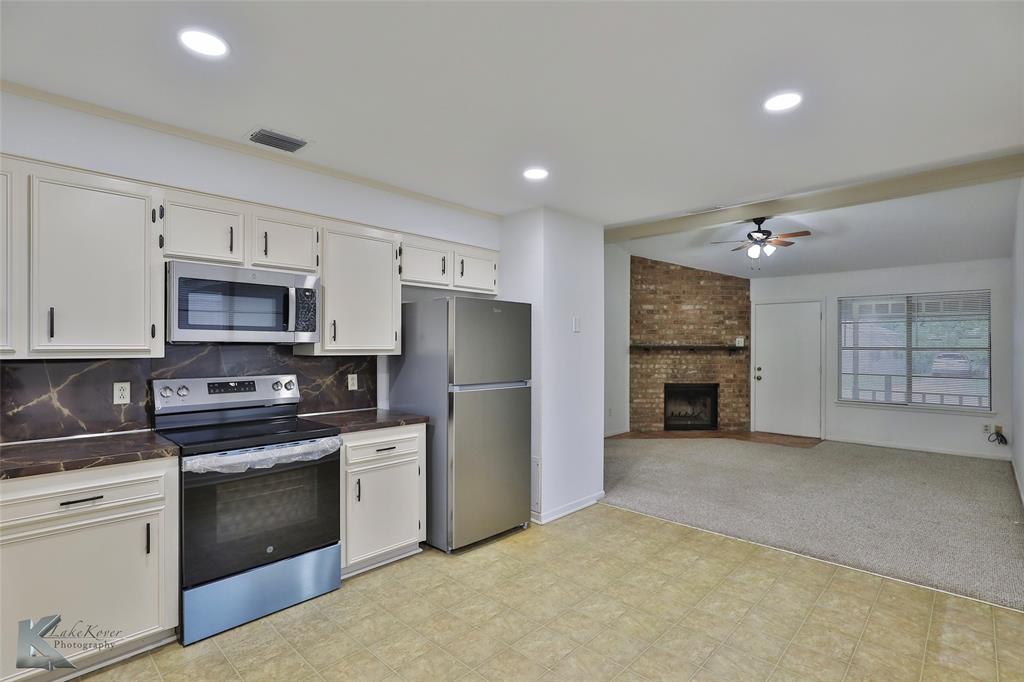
(758, 377)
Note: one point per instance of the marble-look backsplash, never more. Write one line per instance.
(54, 398)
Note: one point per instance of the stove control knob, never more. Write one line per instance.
(289, 385)
(166, 392)
(183, 391)
(276, 386)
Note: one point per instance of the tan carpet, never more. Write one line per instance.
(954, 523)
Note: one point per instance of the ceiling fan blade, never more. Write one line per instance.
(733, 241)
(744, 245)
(790, 235)
(780, 242)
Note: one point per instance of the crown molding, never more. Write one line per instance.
(231, 145)
(894, 187)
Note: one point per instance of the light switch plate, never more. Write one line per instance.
(576, 325)
(122, 392)
(353, 382)
(740, 341)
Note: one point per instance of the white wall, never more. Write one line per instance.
(556, 262)
(1017, 436)
(911, 428)
(616, 340)
(50, 133)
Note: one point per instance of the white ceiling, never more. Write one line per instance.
(638, 109)
(967, 223)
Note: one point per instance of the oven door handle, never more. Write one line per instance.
(239, 461)
(291, 309)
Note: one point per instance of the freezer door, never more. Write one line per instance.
(490, 341)
(490, 463)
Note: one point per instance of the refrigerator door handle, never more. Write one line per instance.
(464, 388)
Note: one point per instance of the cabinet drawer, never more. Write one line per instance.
(31, 503)
(380, 448)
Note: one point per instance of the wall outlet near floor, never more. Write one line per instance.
(122, 392)
(353, 382)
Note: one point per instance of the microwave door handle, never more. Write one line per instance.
(291, 309)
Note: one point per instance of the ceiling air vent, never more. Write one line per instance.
(277, 140)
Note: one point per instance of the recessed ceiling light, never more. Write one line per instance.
(203, 43)
(784, 101)
(535, 173)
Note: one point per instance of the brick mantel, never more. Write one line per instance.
(703, 313)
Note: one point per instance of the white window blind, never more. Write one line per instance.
(917, 349)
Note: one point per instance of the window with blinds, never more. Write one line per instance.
(917, 349)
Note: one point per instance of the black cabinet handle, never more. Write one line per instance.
(147, 538)
(49, 322)
(84, 499)
(231, 238)
(443, 263)
(266, 241)
(359, 489)
(334, 330)
(462, 267)
(393, 447)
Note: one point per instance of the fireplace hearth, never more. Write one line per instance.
(691, 407)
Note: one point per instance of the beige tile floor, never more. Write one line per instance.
(609, 594)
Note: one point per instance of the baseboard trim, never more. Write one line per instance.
(566, 509)
(937, 451)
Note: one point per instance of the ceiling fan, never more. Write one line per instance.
(761, 240)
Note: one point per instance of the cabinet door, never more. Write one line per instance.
(284, 243)
(5, 262)
(203, 227)
(421, 265)
(475, 273)
(91, 285)
(362, 293)
(382, 508)
(112, 582)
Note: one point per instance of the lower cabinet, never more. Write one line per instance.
(96, 548)
(385, 496)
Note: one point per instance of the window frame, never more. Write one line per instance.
(909, 349)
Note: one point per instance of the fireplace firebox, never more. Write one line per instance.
(691, 407)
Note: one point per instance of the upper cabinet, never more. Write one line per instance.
(361, 293)
(283, 239)
(6, 342)
(447, 265)
(197, 226)
(94, 276)
(476, 272)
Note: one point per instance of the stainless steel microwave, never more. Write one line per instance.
(240, 305)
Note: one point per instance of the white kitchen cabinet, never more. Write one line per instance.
(6, 238)
(96, 282)
(283, 239)
(200, 227)
(361, 295)
(426, 265)
(475, 272)
(109, 561)
(384, 513)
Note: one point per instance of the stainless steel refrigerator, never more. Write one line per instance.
(465, 363)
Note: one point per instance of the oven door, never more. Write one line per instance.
(219, 303)
(247, 510)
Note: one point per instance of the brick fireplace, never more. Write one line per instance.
(683, 327)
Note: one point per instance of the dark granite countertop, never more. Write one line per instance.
(30, 459)
(364, 420)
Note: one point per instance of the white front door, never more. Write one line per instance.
(787, 368)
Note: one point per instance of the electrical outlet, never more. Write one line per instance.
(353, 382)
(986, 428)
(999, 428)
(122, 392)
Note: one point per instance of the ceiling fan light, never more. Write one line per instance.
(754, 251)
(769, 249)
